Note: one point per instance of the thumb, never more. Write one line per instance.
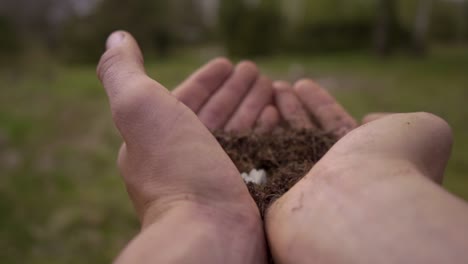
(132, 94)
(121, 65)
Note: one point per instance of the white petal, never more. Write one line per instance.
(258, 176)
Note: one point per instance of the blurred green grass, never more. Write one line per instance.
(61, 199)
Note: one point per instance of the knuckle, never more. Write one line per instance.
(113, 66)
(107, 63)
(136, 99)
(265, 86)
(245, 121)
(264, 81)
(212, 119)
(237, 126)
(236, 90)
(121, 159)
(291, 109)
(251, 107)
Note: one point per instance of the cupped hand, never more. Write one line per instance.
(374, 198)
(189, 196)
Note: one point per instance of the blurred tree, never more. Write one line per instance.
(322, 11)
(147, 20)
(463, 18)
(421, 27)
(250, 27)
(462, 25)
(247, 27)
(329, 26)
(186, 21)
(9, 39)
(386, 25)
(37, 22)
(449, 21)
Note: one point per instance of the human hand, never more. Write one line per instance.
(224, 99)
(194, 206)
(230, 99)
(374, 198)
(189, 196)
(306, 105)
(379, 177)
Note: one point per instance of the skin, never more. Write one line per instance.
(374, 198)
(233, 99)
(189, 196)
(306, 105)
(376, 191)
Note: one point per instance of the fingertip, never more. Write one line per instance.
(304, 85)
(248, 66)
(268, 120)
(312, 95)
(222, 63)
(115, 39)
(281, 86)
(247, 63)
(121, 65)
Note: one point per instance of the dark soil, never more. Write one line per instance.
(287, 156)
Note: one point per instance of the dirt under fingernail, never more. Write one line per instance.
(286, 156)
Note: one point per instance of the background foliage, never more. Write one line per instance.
(61, 199)
(243, 28)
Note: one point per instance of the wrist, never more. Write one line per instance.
(199, 229)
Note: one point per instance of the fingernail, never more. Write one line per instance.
(115, 39)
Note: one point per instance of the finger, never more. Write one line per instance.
(217, 111)
(290, 107)
(252, 106)
(121, 64)
(329, 115)
(374, 116)
(196, 90)
(268, 120)
(134, 97)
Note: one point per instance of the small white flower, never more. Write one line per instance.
(258, 177)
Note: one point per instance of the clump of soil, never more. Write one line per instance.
(287, 156)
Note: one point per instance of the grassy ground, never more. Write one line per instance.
(61, 199)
